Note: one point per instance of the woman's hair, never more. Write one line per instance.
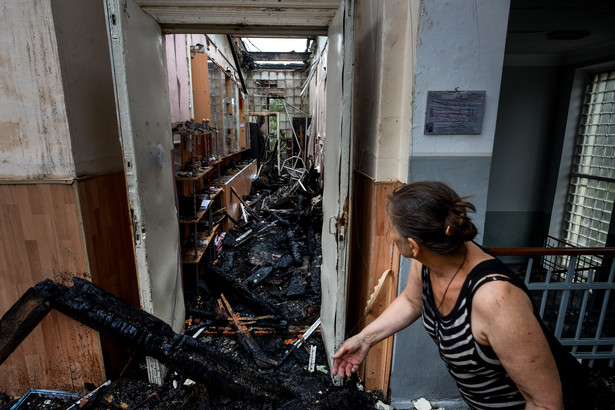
(433, 215)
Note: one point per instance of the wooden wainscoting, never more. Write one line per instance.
(108, 239)
(40, 238)
(371, 255)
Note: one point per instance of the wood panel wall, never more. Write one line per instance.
(200, 87)
(40, 238)
(371, 255)
(108, 238)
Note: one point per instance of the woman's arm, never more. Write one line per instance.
(403, 311)
(502, 317)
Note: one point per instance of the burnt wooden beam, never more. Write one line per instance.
(246, 339)
(20, 320)
(216, 278)
(131, 326)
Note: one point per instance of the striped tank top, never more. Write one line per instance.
(480, 377)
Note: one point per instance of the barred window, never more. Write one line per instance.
(592, 186)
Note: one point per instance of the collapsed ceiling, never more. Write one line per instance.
(283, 17)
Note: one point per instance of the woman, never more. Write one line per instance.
(476, 310)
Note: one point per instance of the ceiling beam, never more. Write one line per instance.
(244, 30)
(276, 56)
(280, 67)
(243, 17)
(311, 4)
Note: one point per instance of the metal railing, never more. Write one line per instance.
(572, 287)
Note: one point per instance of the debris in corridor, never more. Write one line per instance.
(237, 355)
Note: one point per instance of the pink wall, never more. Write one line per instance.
(179, 86)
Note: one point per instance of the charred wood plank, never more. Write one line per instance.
(258, 276)
(294, 247)
(283, 221)
(262, 361)
(128, 325)
(20, 320)
(240, 293)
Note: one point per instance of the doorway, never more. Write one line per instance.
(145, 142)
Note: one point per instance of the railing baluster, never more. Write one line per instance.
(563, 304)
(580, 276)
(580, 320)
(543, 301)
(528, 270)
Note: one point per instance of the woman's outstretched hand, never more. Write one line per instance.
(348, 358)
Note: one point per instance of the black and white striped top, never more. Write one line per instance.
(480, 377)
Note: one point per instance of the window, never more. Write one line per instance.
(275, 105)
(592, 186)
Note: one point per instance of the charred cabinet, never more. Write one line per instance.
(198, 199)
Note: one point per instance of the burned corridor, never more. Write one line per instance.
(254, 317)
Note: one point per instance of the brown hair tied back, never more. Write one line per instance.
(432, 214)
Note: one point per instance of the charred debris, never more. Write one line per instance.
(252, 331)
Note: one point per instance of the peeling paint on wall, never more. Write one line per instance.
(34, 133)
(11, 138)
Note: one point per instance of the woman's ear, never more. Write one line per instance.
(414, 247)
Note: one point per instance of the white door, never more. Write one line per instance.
(337, 176)
(142, 98)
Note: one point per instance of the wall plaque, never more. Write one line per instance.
(454, 112)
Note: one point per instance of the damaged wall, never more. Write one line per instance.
(41, 233)
(40, 238)
(34, 137)
(318, 107)
(88, 86)
(179, 71)
(180, 84)
(386, 47)
(263, 84)
(58, 94)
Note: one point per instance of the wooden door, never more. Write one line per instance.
(337, 175)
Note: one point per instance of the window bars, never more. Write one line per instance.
(573, 295)
(592, 186)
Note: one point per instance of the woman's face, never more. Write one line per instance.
(402, 243)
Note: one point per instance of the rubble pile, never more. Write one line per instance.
(252, 338)
(259, 300)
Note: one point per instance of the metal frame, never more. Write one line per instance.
(564, 289)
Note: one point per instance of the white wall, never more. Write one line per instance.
(460, 46)
(88, 86)
(386, 42)
(34, 132)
